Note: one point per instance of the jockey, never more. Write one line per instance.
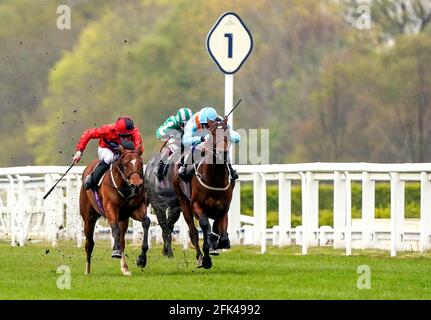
(171, 130)
(194, 135)
(110, 136)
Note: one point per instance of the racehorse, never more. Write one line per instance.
(209, 193)
(164, 201)
(120, 195)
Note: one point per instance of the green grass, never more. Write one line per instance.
(241, 273)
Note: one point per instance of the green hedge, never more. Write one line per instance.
(326, 191)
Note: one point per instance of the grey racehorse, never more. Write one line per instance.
(163, 199)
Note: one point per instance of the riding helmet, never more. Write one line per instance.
(207, 114)
(124, 126)
(183, 115)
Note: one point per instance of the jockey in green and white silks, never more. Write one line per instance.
(172, 130)
(194, 135)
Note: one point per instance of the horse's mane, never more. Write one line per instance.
(128, 145)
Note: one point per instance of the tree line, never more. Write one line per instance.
(327, 90)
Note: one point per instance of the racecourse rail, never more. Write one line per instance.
(25, 216)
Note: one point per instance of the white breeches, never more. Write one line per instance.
(106, 155)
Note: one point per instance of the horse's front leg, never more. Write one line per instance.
(112, 216)
(220, 227)
(205, 226)
(123, 264)
(173, 216)
(141, 215)
(193, 232)
(161, 218)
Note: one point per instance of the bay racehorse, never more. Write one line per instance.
(209, 193)
(163, 200)
(120, 195)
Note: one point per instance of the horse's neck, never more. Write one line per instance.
(116, 175)
(218, 173)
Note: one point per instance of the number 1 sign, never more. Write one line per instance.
(229, 43)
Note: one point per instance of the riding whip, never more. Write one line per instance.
(52, 188)
(234, 108)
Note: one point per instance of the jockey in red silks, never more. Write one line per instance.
(110, 136)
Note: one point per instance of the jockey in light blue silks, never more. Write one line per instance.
(195, 134)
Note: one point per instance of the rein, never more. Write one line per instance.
(201, 178)
(125, 179)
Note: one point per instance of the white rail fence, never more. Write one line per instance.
(24, 215)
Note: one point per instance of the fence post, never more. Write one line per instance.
(184, 235)
(47, 207)
(348, 213)
(284, 210)
(397, 213)
(78, 219)
(368, 205)
(425, 221)
(12, 208)
(313, 209)
(339, 210)
(259, 208)
(305, 222)
(22, 216)
(71, 207)
(51, 205)
(234, 215)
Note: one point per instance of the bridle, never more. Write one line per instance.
(129, 188)
(199, 175)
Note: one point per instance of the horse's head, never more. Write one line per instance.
(131, 166)
(219, 139)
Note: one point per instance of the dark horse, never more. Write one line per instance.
(121, 195)
(209, 194)
(164, 201)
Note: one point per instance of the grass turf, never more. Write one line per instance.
(240, 273)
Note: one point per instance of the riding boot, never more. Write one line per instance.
(160, 170)
(183, 172)
(233, 173)
(94, 177)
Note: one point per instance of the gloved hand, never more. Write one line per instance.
(77, 156)
(205, 138)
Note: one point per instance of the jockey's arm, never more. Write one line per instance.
(93, 133)
(189, 138)
(234, 136)
(137, 139)
(163, 131)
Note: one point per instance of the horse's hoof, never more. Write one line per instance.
(116, 254)
(126, 273)
(224, 244)
(168, 253)
(200, 260)
(214, 252)
(207, 263)
(141, 262)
